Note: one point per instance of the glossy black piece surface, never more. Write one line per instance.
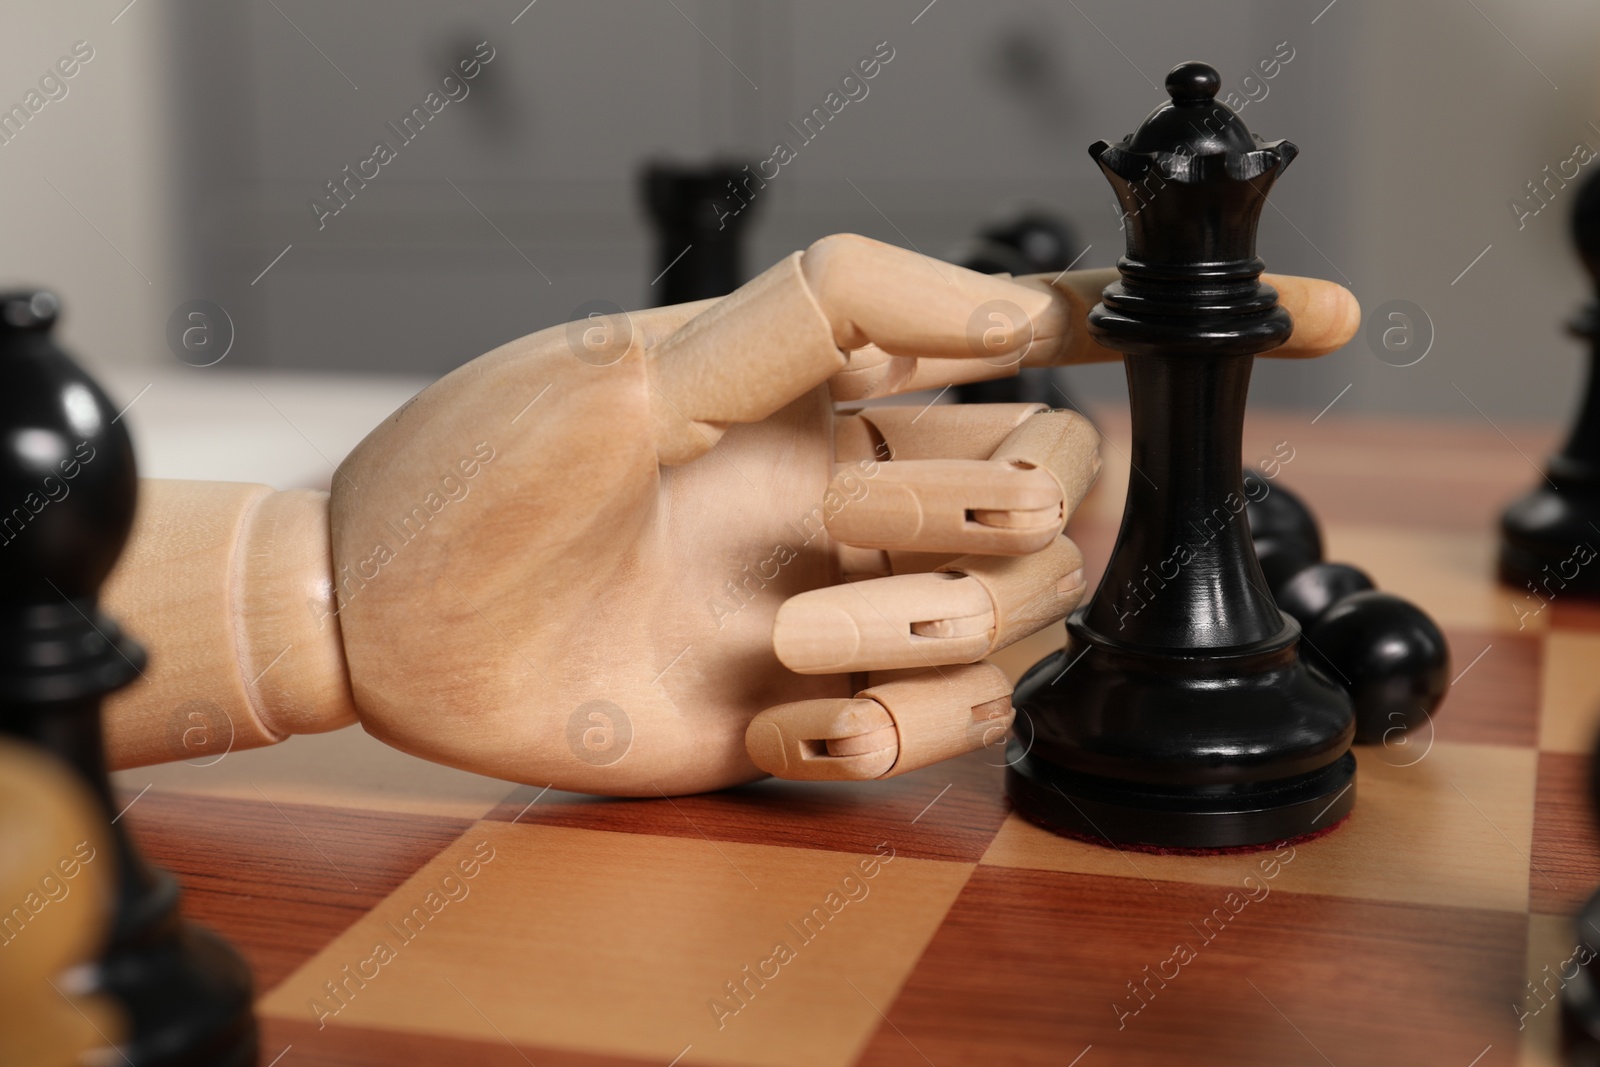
(1550, 538)
(1313, 590)
(1580, 991)
(1387, 654)
(1031, 241)
(1180, 714)
(68, 487)
(700, 214)
(1284, 529)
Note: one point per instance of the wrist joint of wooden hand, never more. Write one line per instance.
(231, 588)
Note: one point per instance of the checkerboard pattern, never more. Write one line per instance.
(397, 912)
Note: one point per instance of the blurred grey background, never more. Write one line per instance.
(182, 160)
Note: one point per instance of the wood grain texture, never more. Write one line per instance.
(1404, 938)
(1495, 700)
(366, 1046)
(279, 879)
(1564, 862)
(949, 812)
(1569, 692)
(231, 586)
(1446, 826)
(1031, 966)
(736, 950)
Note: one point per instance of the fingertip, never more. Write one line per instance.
(763, 742)
(1351, 321)
(1334, 313)
(1326, 315)
(813, 634)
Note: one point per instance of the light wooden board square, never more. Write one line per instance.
(558, 941)
(1569, 709)
(1453, 828)
(1451, 575)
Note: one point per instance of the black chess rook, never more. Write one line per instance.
(700, 214)
(1550, 538)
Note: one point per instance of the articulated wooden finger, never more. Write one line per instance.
(918, 562)
(788, 330)
(888, 729)
(1325, 316)
(1062, 443)
(1061, 336)
(968, 608)
(942, 714)
(823, 740)
(939, 431)
(859, 563)
(740, 360)
(907, 620)
(1013, 504)
(1006, 331)
(873, 373)
(952, 505)
(869, 371)
(910, 305)
(1028, 593)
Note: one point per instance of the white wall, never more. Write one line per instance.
(103, 146)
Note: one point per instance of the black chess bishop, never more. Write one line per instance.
(67, 493)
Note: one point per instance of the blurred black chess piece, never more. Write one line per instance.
(1549, 539)
(67, 492)
(700, 213)
(1384, 651)
(1180, 714)
(1029, 241)
(1580, 990)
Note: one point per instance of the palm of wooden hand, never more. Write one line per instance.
(564, 563)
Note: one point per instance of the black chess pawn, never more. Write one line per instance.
(1180, 714)
(1385, 652)
(700, 213)
(1550, 538)
(1285, 531)
(67, 492)
(1306, 595)
(1029, 241)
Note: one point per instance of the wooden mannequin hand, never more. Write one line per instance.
(585, 558)
(635, 499)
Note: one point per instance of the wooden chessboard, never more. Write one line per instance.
(921, 923)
